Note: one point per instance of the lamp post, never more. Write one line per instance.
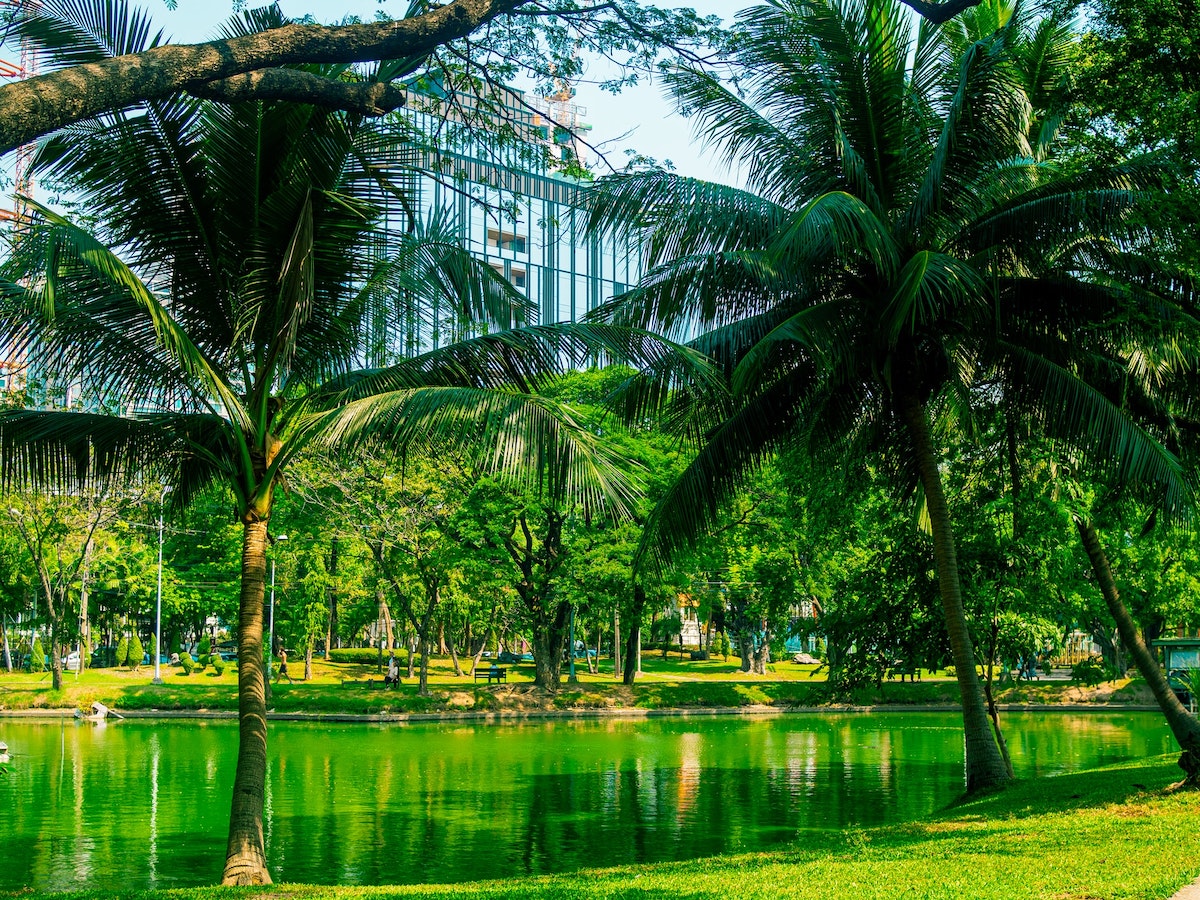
(271, 617)
(158, 602)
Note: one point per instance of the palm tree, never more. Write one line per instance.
(225, 334)
(907, 247)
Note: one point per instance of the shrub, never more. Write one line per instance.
(205, 646)
(201, 662)
(37, 656)
(367, 656)
(187, 663)
(136, 651)
(218, 664)
(723, 644)
(122, 651)
(951, 671)
(1090, 670)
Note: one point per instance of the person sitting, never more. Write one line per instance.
(393, 672)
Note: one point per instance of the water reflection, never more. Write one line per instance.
(145, 804)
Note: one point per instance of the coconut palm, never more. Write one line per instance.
(907, 246)
(225, 332)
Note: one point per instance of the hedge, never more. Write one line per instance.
(367, 656)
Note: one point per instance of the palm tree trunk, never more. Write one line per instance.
(984, 766)
(1184, 726)
(245, 858)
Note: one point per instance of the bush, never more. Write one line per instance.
(951, 672)
(366, 656)
(136, 651)
(122, 651)
(205, 647)
(201, 662)
(37, 656)
(723, 644)
(1090, 670)
(218, 664)
(187, 663)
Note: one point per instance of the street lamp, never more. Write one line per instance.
(271, 619)
(158, 602)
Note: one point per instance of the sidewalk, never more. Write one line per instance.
(1188, 892)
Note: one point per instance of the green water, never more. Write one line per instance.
(145, 804)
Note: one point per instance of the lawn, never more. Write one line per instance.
(351, 688)
(1111, 833)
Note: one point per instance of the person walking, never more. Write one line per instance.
(283, 672)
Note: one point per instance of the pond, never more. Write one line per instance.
(145, 803)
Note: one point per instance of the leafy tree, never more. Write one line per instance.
(900, 244)
(235, 319)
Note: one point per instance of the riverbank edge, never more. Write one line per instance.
(491, 717)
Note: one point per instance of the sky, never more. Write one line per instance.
(642, 114)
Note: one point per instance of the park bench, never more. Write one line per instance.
(903, 667)
(490, 674)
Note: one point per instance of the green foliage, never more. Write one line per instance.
(1090, 671)
(187, 663)
(218, 664)
(123, 651)
(722, 644)
(37, 658)
(135, 651)
(367, 656)
(205, 646)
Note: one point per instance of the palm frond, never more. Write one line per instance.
(77, 32)
(56, 448)
(522, 437)
(1074, 412)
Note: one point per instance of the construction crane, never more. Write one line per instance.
(23, 180)
(12, 366)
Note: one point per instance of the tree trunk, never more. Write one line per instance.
(984, 765)
(1184, 726)
(424, 642)
(333, 639)
(633, 646)
(56, 668)
(549, 642)
(7, 651)
(308, 661)
(245, 858)
(745, 651)
(616, 643)
(487, 631)
(458, 671)
(993, 710)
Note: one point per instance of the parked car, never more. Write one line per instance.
(71, 661)
(513, 658)
(104, 657)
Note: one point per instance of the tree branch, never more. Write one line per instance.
(37, 106)
(937, 13)
(367, 98)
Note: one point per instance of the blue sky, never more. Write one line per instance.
(653, 128)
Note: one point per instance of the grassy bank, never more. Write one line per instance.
(348, 688)
(1110, 833)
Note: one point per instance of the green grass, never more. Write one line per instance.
(665, 684)
(1110, 833)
